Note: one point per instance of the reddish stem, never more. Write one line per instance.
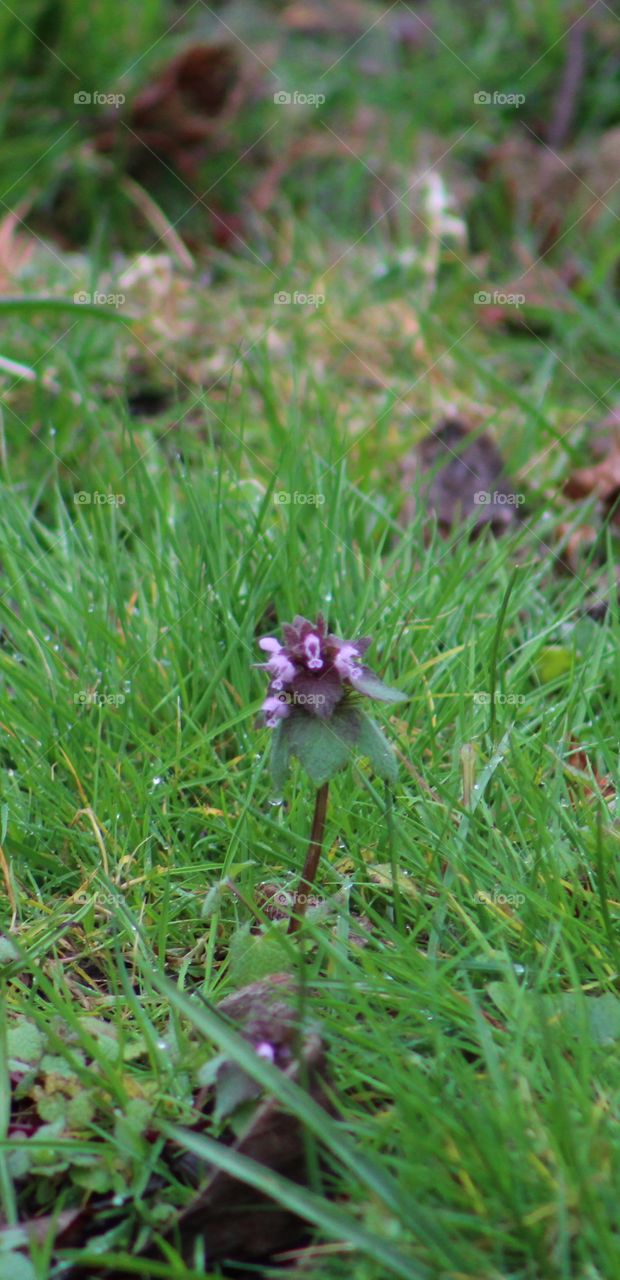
(300, 901)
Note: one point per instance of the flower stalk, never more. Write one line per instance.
(300, 901)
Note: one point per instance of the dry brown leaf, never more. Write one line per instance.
(579, 760)
(602, 480)
(181, 113)
(466, 473)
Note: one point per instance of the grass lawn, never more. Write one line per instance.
(215, 366)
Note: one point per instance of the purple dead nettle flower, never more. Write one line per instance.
(313, 705)
(313, 669)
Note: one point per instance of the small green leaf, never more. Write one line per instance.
(18, 1267)
(18, 1162)
(324, 747)
(372, 743)
(129, 1127)
(255, 955)
(570, 1011)
(8, 951)
(138, 1114)
(52, 1107)
(95, 1179)
(207, 1072)
(80, 1110)
(553, 662)
(232, 1088)
(54, 1065)
(373, 687)
(24, 1041)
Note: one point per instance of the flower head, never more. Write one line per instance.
(313, 670)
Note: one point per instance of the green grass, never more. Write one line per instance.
(472, 1041)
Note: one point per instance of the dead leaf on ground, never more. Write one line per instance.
(579, 545)
(601, 481)
(548, 189)
(461, 475)
(181, 111)
(579, 761)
